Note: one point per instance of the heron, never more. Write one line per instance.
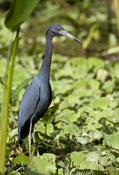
(38, 94)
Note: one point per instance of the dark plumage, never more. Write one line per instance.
(38, 94)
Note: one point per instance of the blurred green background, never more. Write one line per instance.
(93, 21)
(83, 122)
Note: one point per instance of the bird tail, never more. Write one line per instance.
(19, 136)
(23, 132)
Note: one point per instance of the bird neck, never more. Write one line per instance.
(46, 64)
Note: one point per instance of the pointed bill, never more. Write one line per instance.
(67, 34)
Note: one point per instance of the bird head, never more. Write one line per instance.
(57, 30)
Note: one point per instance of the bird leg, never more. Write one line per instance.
(34, 143)
(30, 130)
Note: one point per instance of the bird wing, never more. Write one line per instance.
(29, 102)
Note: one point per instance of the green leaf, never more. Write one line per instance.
(94, 84)
(70, 130)
(100, 102)
(65, 88)
(91, 165)
(112, 140)
(108, 86)
(115, 71)
(93, 156)
(108, 113)
(67, 116)
(102, 74)
(21, 159)
(45, 165)
(77, 158)
(20, 10)
(94, 62)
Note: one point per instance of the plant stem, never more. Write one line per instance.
(5, 108)
(116, 6)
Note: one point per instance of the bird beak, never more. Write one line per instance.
(67, 34)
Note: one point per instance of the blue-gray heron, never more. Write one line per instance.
(38, 95)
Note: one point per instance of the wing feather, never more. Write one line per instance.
(29, 102)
